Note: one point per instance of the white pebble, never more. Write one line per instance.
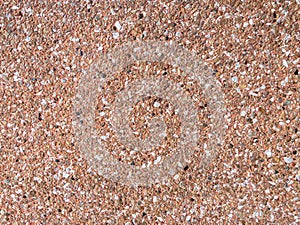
(116, 35)
(243, 113)
(188, 218)
(288, 159)
(157, 160)
(118, 25)
(65, 175)
(262, 87)
(160, 219)
(156, 104)
(268, 153)
(100, 47)
(234, 79)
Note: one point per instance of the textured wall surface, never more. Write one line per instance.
(254, 52)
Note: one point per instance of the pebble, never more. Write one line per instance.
(288, 159)
(268, 153)
(118, 25)
(156, 104)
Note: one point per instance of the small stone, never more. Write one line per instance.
(116, 35)
(243, 113)
(177, 34)
(141, 15)
(157, 160)
(234, 79)
(188, 218)
(154, 199)
(268, 153)
(288, 159)
(118, 25)
(156, 104)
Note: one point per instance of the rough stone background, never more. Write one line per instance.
(253, 46)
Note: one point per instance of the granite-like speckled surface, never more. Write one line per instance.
(253, 47)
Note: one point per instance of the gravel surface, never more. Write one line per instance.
(253, 50)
